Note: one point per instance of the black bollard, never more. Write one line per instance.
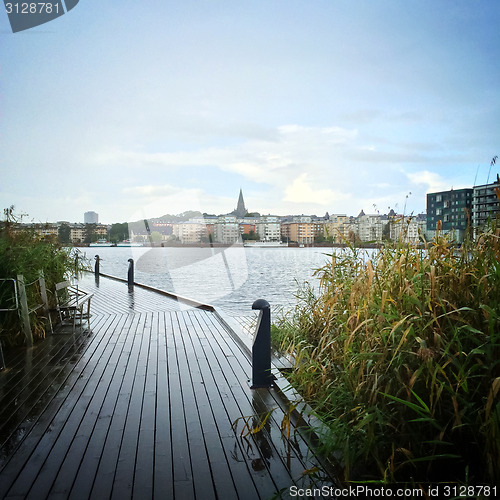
(261, 348)
(97, 268)
(130, 273)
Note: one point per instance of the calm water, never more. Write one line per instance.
(231, 278)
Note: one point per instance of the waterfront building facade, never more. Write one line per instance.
(337, 227)
(79, 232)
(408, 229)
(370, 227)
(485, 203)
(227, 229)
(247, 228)
(269, 228)
(450, 210)
(190, 231)
(303, 233)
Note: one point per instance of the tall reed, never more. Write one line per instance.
(400, 356)
(25, 252)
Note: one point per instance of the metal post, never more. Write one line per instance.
(97, 268)
(130, 273)
(261, 348)
(45, 300)
(25, 316)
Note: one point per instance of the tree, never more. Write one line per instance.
(89, 234)
(64, 234)
(156, 237)
(119, 232)
(386, 231)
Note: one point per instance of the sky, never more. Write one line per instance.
(138, 109)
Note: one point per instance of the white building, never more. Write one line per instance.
(408, 229)
(227, 230)
(269, 228)
(190, 232)
(370, 227)
(91, 218)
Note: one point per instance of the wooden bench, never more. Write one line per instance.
(71, 302)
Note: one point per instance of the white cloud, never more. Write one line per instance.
(295, 150)
(301, 191)
(432, 180)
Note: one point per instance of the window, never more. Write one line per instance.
(439, 198)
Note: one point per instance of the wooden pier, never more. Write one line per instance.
(150, 403)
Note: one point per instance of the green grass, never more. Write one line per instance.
(400, 356)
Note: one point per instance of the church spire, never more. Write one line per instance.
(240, 211)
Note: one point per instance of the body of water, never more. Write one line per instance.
(232, 278)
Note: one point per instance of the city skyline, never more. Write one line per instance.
(335, 106)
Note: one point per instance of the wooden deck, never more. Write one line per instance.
(143, 405)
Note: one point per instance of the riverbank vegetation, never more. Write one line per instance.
(26, 253)
(400, 357)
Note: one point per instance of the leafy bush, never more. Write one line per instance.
(26, 253)
(400, 356)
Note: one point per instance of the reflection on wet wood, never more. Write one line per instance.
(143, 405)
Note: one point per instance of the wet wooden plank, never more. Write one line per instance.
(225, 413)
(53, 447)
(182, 472)
(35, 447)
(105, 476)
(146, 408)
(295, 452)
(200, 463)
(208, 417)
(87, 470)
(163, 461)
(85, 418)
(269, 398)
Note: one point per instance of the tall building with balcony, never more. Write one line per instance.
(451, 210)
(485, 203)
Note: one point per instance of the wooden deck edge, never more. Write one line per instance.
(179, 298)
(303, 416)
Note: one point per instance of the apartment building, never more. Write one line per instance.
(301, 232)
(408, 229)
(485, 203)
(227, 229)
(269, 228)
(370, 227)
(190, 231)
(78, 232)
(337, 227)
(451, 210)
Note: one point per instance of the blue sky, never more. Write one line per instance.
(135, 109)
